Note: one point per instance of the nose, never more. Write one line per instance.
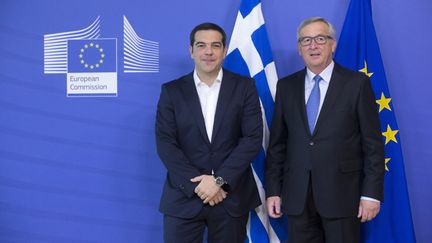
(313, 44)
(208, 50)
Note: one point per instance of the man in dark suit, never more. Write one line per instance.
(325, 160)
(208, 131)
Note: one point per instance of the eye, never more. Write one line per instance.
(320, 39)
(217, 45)
(306, 40)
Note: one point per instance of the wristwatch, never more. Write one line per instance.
(219, 180)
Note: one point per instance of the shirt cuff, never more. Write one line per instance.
(369, 199)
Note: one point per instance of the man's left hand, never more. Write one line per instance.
(207, 187)
(368, 210)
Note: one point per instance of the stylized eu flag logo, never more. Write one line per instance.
(92, 67)
(92, 56)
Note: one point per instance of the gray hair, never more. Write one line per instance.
(311, 20)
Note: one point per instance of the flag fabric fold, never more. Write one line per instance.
(249, 54)
(358, 50)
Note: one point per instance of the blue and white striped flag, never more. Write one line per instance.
(249, 54)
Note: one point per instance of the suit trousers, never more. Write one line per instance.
(221, 227)
(311, 227)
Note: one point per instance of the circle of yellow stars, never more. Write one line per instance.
(384, 103)
(87, 47)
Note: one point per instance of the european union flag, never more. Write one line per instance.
(92, 56)
(358, 49)
(249, 54)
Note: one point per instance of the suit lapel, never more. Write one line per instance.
(190, 94)
(300, 99)
(333, 92)
(225, 95)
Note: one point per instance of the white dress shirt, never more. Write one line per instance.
(323, 84)
(208, 96)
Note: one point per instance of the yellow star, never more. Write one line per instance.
(385, 162)
(390, 134)
(364, 70)
(383, 102)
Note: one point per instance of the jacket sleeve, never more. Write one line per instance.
(249, 143)
(372, 143)
(180, 170)
(276, 150)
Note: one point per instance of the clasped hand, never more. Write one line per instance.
(208, 190)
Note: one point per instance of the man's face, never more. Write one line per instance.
(317, 56)
(208, 52)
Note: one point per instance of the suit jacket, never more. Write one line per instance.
(343, 158)
(185, 150)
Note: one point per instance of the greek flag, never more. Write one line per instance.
(249, 54)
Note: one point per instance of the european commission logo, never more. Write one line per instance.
(92, 67)
(90, 62)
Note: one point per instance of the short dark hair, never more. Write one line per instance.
(207, 26)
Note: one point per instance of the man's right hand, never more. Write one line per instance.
(274, 206)
(208, 191)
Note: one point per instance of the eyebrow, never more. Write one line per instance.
(214, 42)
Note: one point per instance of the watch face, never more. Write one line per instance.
(219, 181)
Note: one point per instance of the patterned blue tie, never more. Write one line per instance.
(313, 103)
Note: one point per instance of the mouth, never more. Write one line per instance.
(208, 61)
(315, 54)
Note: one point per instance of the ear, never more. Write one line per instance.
(191, 51)
(334, 46)
(299, 49)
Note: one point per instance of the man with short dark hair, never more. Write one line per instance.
(208, 131)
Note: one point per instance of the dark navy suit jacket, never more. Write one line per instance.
(185, 150)
(343, 158)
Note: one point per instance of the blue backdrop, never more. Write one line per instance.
(85, 169)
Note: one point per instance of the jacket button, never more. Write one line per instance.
(311, 143)
(181, 187)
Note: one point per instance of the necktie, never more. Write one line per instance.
(313, 103)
